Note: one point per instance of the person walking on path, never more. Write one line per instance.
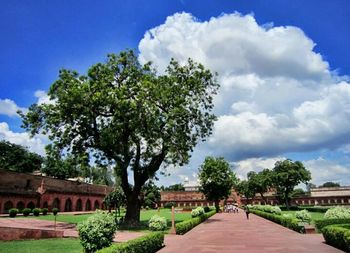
(246, 209)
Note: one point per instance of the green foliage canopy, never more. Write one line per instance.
(127, 115)
(216, 179)
(17, 158)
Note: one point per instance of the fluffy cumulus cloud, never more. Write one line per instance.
(277, 94)
(36, 144)
(9, 108)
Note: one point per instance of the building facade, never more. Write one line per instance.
(20, 190)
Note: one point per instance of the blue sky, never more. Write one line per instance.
(297, 93)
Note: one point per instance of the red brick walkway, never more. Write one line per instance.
(234, 233)
(69, 229)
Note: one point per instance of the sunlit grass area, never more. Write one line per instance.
(42, 246)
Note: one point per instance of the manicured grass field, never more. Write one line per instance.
(145, 216)
(42, 246)
(314, 215)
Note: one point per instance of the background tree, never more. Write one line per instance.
(298, 192)
(115, 199)
(286, 175)
(174, 187)
(216, 179)
(330, 184)
(151, 195)
(260, 182)
(17, 158)
(246, 189)
(126, 115)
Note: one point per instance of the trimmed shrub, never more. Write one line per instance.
(13, 212)
(97, 231)
(187, 225)
(276, 210)
(169, 204)
(157, 223)
(194, 213)
(291, 223)
(318, 209)
(26, 211)
(55, 211)
(321, 223)
(149, 243)
(44, 211)
(206, 209)
(36, 211)
(338, 236)
(303, 215)
(337, 212)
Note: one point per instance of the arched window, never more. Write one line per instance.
(88, 205)
(96, 205)
(56, 204)
(20, 206)
(31, 205)
(8, 205)
(79, 206)
(68, 205)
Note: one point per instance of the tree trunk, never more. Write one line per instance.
(263, 198)
(133, 207)
(217, 205)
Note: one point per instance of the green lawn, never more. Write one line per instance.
(314, 215)
(42, 246)
(145, 216)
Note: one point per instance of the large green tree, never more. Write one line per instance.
(286, 175)
(17, 158)
(127, 115)
(260, 182)
(216, 179)
(246, 188)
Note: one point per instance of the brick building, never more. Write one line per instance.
(20, 190)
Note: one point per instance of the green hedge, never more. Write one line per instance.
(338, 236)
(187, 225)
(149, 243)
(321, 223)
(291, 223)
(317, 209)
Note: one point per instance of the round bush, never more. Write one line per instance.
(169, 204)
(44, 211)
(276, 210)
(97, 231)
(194, 213)
(36, 211)
(200, 210)
(303, 215)
(55, 211)
(13, 212)
(206, 209)
(338, 212)
(26, 211)
(157, 223)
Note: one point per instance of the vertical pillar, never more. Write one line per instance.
(173, 229)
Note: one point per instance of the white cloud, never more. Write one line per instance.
(9, 107)
(277, 94)
(323, 170)
(42, 97)
(35, 144)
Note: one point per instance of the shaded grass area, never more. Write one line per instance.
(42, 246)
(314, 215)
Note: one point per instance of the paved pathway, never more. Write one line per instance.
(69, 229)
(228, 232)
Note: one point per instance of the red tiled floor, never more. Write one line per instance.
(228, 232)
(69, 229)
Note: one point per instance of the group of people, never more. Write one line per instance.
(234, 209)
(230, 209)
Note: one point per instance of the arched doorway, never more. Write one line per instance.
(79, 206)
(68, 205)
(45, 205)
(88, 205)
(96, 205)
(31, 205)
(8, 205)
(20, 206)
(56, 204)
